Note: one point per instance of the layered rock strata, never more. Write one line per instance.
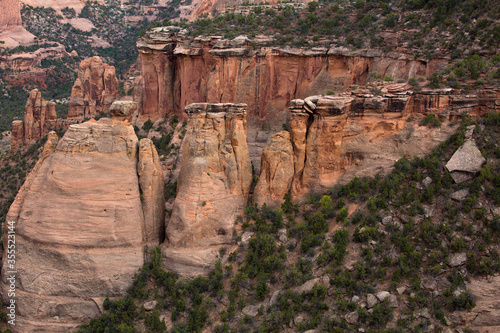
(213, 186)
(177, 72)
(94, 90)
(337, 138)
(39, 119)
(81, 225)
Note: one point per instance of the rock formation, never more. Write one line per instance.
(337, 138)
(31, 60)
(39, 118)
(213, 70)
(94, 90)
(80, 224)
(277, 170)
(152, 192)
(10, 15)
(213, 186)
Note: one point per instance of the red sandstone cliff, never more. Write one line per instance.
(336, 138)
(245, 71)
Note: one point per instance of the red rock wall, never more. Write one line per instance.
(265, 81)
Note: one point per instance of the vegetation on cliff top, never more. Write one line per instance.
(424, 28)
(388, 233)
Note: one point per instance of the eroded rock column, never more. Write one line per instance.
(82, 224)
(94, 90)
(212, 188)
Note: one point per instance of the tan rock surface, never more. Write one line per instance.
(276, 171)
(152, 190)
(80, 227)
(212, 187)
(10, 15)
(94, 90)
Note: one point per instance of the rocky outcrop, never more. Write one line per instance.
(213, 186)
(39, 119)
(10, 15)
(337, 138)
(210, 69)
(276, 170)
(80, 224)
(94, 90)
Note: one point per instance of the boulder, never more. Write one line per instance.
(371, 300)
(148, 306)
(460, 195)
(458, 259)
(466, 162)
(352, 317)
(123, 108)
(39, 119)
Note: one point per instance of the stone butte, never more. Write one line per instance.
(80, 224)
(39, 119)
(94, 90)
(213, 186)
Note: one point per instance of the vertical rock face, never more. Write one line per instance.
(94, 90)
(213, 185)
(80, 224)
(39, 118)
(17, 136)
(10, 15)
(276, 170)
(152, 192)
(209, 70)
(334, 139)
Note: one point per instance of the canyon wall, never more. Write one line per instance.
(82, 219)
(94, 90)
(39, 119)
(212, 188)
(213, 70)
(333, 139)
